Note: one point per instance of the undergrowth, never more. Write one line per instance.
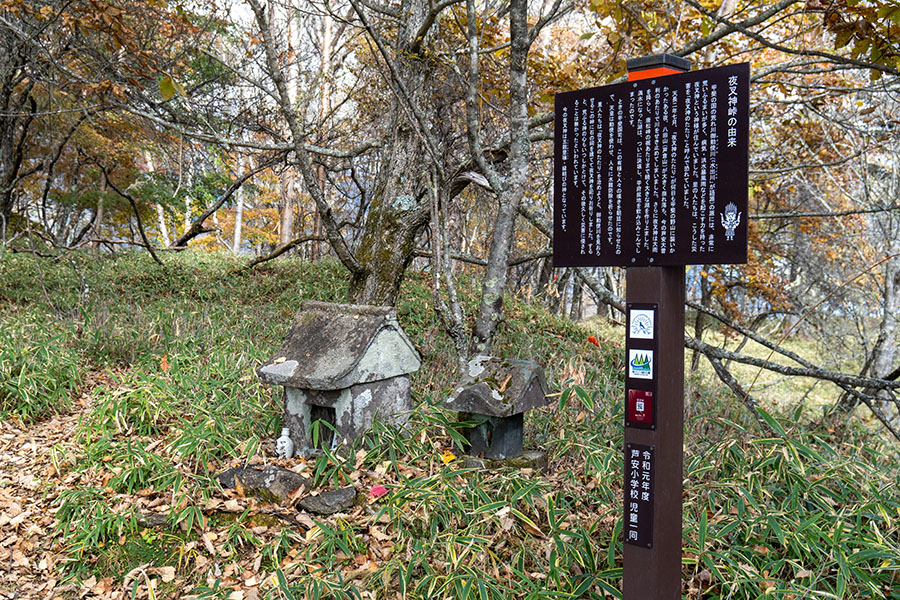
(812, 513)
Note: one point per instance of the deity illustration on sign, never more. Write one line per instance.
(640, 364)
(641, 326)
(731, 219)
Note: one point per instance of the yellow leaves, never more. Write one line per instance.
(312, 534)
(168, 87)
(447, 457)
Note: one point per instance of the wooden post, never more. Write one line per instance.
(652, 175)
(656, 431)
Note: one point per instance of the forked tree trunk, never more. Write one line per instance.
(399, 207)
(510, 188)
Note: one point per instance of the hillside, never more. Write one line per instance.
(125, 388)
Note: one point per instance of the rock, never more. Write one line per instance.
(330, 502)
(271, 484)
(530, 459)
(152, 519)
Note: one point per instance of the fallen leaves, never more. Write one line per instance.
(377, 492)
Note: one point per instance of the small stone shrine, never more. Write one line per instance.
(345, 365)
(495, 393)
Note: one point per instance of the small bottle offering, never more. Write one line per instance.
(284, 446)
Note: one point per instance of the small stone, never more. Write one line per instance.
(272, 484)
(530, 459)
(330, 502)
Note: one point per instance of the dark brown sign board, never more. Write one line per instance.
(653, 172)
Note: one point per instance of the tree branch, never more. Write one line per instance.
(419, 37)
(282, 249)
(824, 214)
(729, 28)
(768, 44)
(400, 87)
(137, 213)
(197, 227)
(337, 241)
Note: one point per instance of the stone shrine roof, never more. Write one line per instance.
(500, 387)
(333, 346)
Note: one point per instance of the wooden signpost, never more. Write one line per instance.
(652, 174)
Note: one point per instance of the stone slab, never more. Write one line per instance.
(500, 387)
(329, 502)
(333, 346)
(271, 484)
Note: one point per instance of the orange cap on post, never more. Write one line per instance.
(658, 65)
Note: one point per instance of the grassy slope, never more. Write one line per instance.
(813, 513)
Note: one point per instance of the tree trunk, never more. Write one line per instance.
(286, 208)
(577, 311)
(880, 360)
(700, 320)
(511, 188)
(326, 48)
(389, 236)
(98, 221)
(557, 300)
(544, 284)
(187, 201)
(15, 94)
(399, 207)
(238, 210)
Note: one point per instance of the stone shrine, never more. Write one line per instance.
(495, 393)
(344, 365)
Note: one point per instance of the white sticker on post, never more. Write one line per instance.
(640, 364)
(641, 324)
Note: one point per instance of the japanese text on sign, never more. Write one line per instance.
(653, 172)
(639, 494)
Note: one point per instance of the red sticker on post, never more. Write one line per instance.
(640, 409)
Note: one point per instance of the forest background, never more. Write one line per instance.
(416, 136)
(386, 134)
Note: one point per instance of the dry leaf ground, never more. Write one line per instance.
(29, 484)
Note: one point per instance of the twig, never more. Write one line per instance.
(282, 249)
(197, 227)
(137, 214)
(814, 307)
(835, 58)
(37, 264)
(481, 262)
(748, 400)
